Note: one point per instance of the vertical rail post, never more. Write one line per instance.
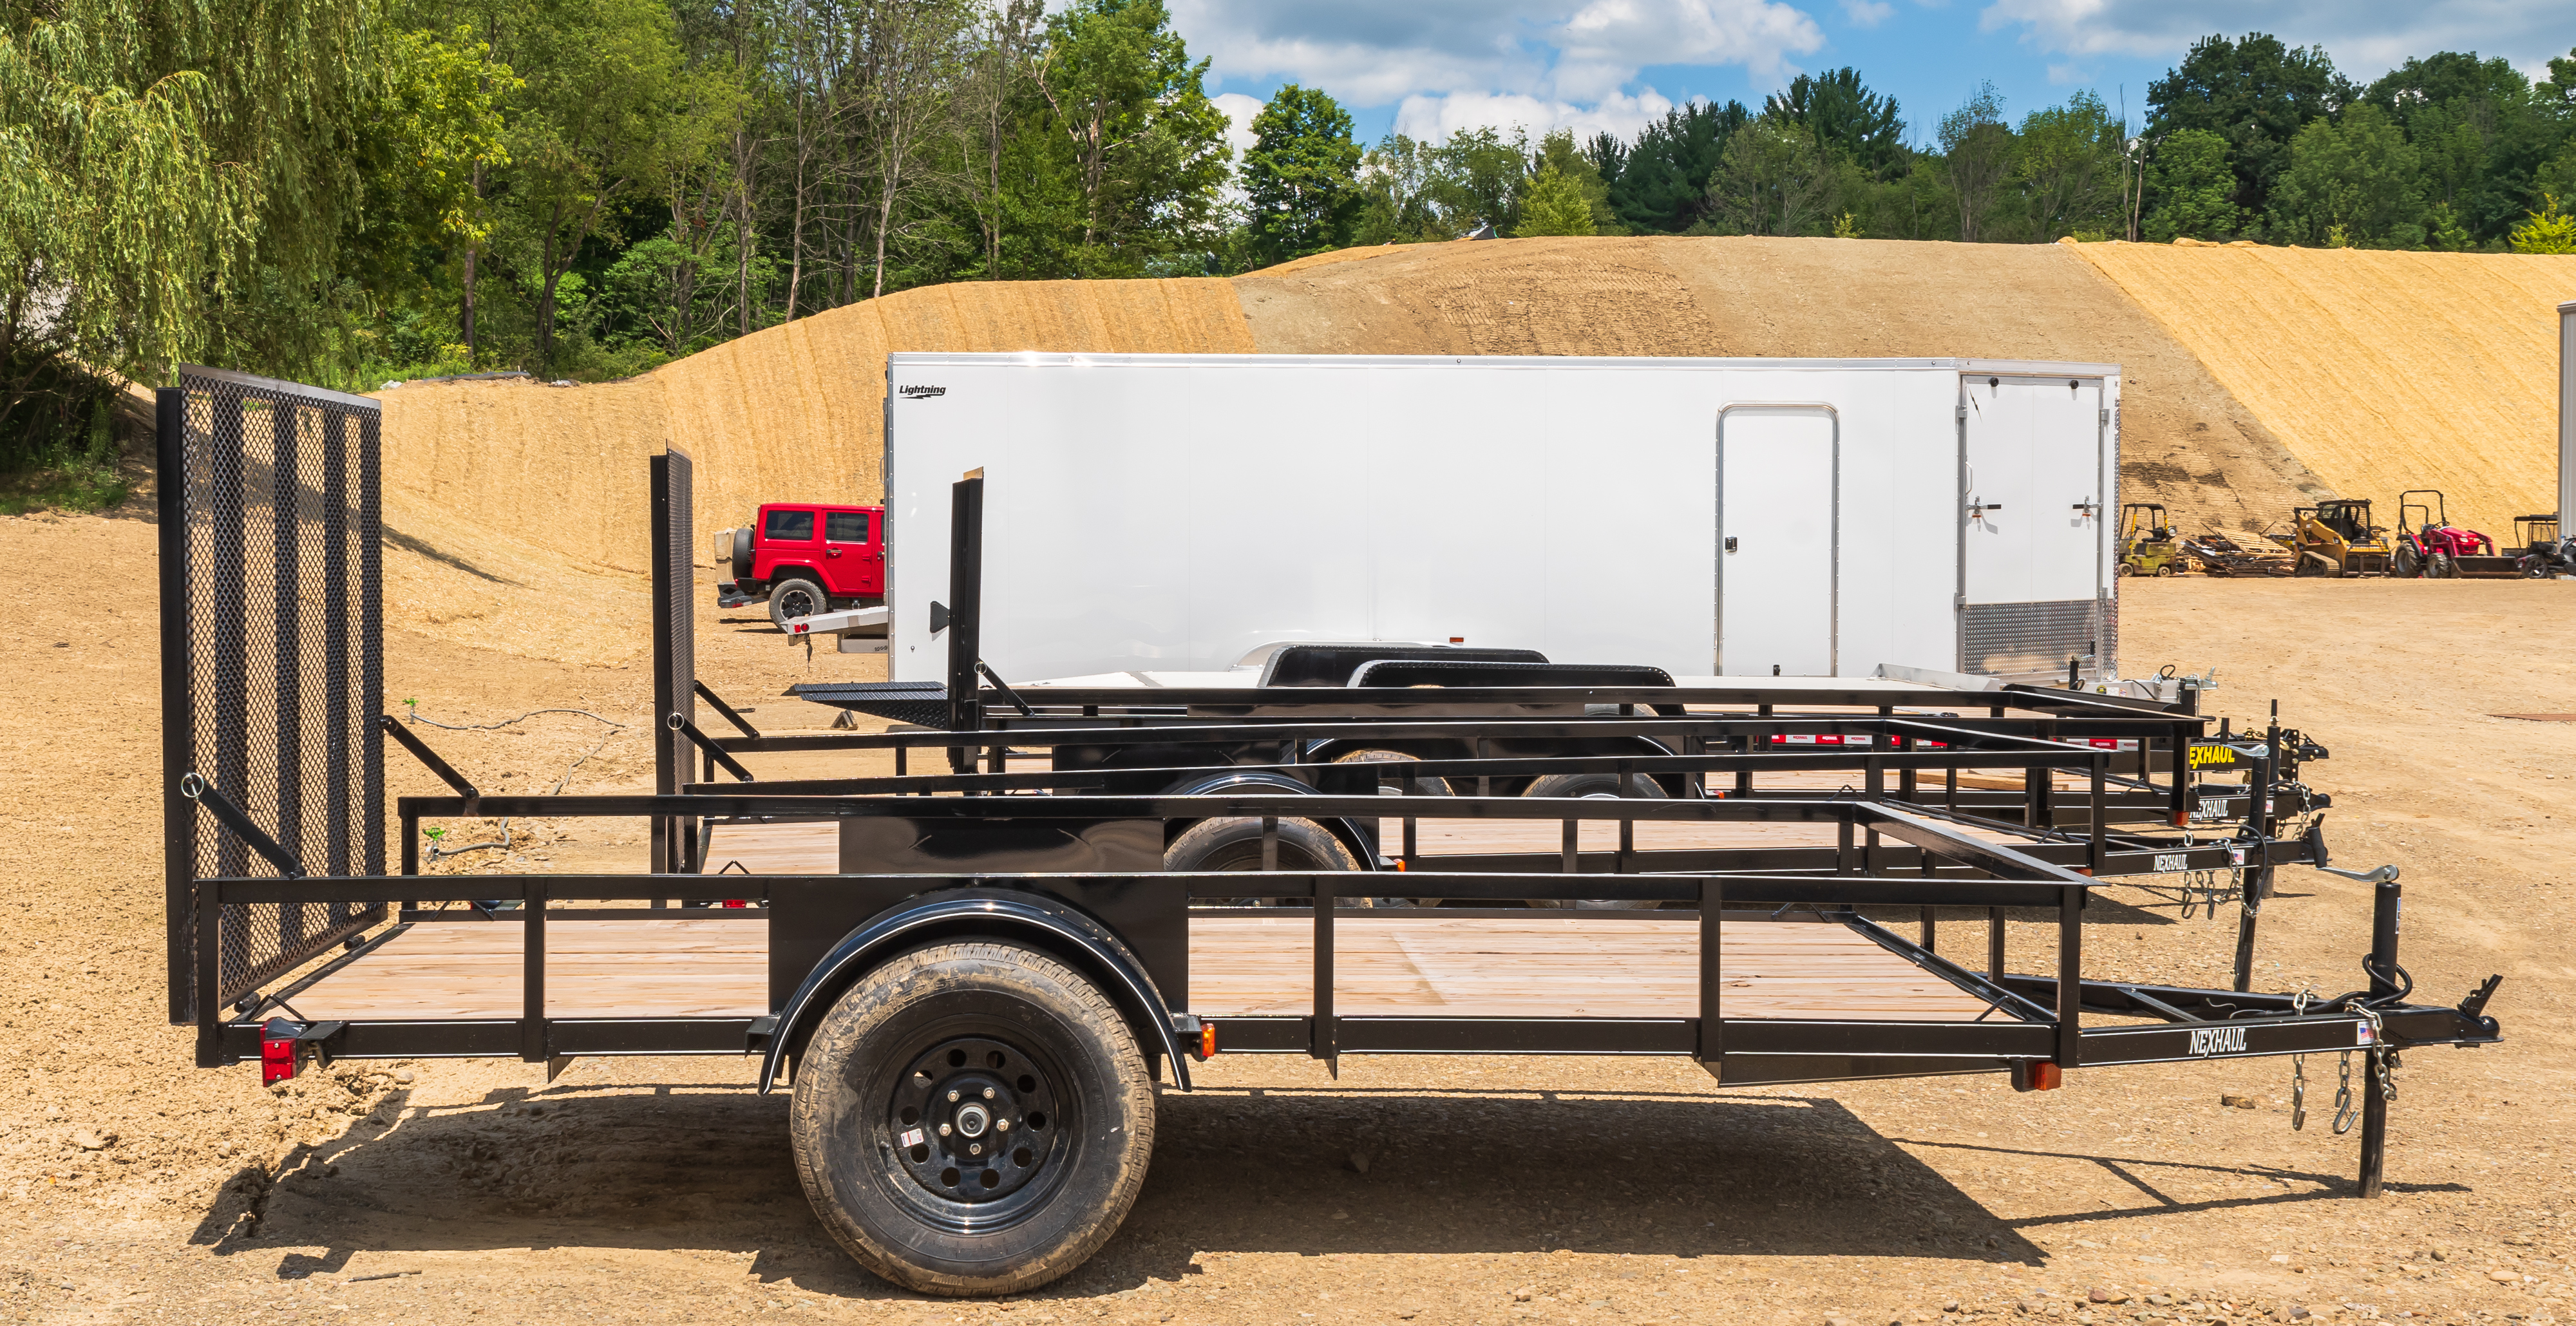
(2385, 903)
(2070, 975)
(1324, 1038)
(1995, 944)
(532, 969)
(965, 612)
(178, 711)
(2258, 877)
(1572, 859)
(1712, 1000)
(2098, 848)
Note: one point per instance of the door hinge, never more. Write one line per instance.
(2104, 417)
(1963, 414)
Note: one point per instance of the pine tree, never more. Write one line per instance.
(1555, 205)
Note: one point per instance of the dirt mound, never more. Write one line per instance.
(519, 510)
(2186, 442)
(2380, 371)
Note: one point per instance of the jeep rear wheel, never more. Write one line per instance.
(972, 1119)
(796, 597)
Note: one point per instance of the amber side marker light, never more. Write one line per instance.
(1207, 1040)
(2041, 1076)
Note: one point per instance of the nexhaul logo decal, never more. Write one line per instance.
(2206, 1041)
(2213, 756)
(1824, 739)
(2111, 743)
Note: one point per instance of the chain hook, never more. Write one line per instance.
(2346, 1112)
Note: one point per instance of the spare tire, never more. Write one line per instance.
(794, 597)
(742, 553)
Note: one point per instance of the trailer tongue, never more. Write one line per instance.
(972, 977)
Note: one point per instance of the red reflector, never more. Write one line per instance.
(1207, 1040)
(735, 902)
(2037, 1077)
(2182, 819)
(276, 1060)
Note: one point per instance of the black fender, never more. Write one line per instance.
(998, 913)
(1240, 781)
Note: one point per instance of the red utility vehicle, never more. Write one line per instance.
(805, 558)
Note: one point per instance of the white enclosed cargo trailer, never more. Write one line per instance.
(1735, 517)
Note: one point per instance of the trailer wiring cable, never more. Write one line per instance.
(413, 715)
(438, 853)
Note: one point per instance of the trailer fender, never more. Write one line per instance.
(1262, 781)
(1056, 926)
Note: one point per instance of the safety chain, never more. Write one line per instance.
(2345, 1110)
(2299, 1069)
(2382, 1057)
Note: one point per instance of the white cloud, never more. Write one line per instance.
(1867, 13)
(1573, 52)
(1436, 117)
(2365, 37)
(1239, 110)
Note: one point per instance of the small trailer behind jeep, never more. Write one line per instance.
(976, 1003)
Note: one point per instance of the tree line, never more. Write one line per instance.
(355, 190)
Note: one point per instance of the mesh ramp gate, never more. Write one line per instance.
(272, 662)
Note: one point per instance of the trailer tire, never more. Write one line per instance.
(796, 597)
(1234, 843)
(1039, 1056)
(1592, 786)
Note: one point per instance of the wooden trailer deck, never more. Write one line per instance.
(814, 848)
(1394, 963)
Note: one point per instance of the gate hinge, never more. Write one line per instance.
(2105, 419)
(1963, 414)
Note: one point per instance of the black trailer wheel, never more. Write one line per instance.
(1593, 787)
(1235, 844)
(972, 1119)
(796, 597)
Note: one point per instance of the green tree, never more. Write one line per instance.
(1847, 118)
(1556, 151)
(1478, 177)
(1554, 205)
(1772, 179)
(1148, 150)
(1662, 185)
(2358, 181)
(1301, 176)
(589, 130)
(1977, 155)
(2193, 187)
(1396, 206)
(2255, 92)
(2068, 165)
(2546, 230)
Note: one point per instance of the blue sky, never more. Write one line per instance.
(1430, 66)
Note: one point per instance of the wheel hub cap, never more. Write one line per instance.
(973, 1120)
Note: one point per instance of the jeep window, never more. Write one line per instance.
(845, 527)
(789, 527)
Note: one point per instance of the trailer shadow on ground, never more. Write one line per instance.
(1305, 1171)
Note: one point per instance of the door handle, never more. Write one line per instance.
(831, 552)
(1730, 543)
(1978, 509)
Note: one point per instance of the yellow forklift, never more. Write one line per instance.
(2147, 544)
(2335, 538)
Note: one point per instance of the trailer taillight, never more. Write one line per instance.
(277, 1052)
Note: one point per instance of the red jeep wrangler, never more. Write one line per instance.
(805, 558)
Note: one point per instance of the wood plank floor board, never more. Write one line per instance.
(1392, 963)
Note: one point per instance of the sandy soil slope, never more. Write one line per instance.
(1494, 1190)
(2382, 371)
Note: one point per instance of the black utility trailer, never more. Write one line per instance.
(976, 998)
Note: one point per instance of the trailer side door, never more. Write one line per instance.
(1778, 540)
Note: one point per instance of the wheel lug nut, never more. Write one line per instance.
(952, 1096)
(943, 1130)
(975, 1149)
(1002, 1125)
(988, 1093)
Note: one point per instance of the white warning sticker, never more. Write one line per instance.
(909, 1137)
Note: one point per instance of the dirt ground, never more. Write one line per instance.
(1429, 1190)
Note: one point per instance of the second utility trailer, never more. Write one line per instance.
(1711, 517)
